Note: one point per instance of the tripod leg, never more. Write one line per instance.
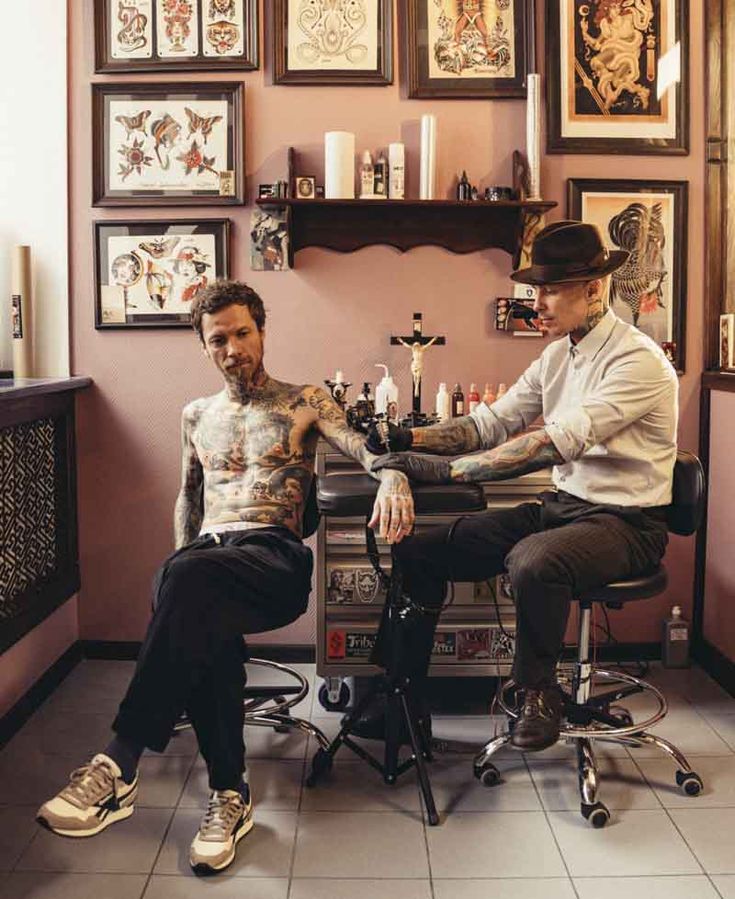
(420, 763)
(392, 733)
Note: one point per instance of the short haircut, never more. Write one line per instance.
(221, 294)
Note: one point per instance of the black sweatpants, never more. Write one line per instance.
(206, 596)
(552, 551)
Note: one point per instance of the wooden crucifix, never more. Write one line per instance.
(418, 344)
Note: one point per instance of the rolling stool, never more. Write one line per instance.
(268, 706)
(592, 717)
(353, 495)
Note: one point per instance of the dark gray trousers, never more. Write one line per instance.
(206, 596)
(553, 551)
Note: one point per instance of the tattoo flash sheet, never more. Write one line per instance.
(131, 29)
(324, 35)
(166, 145)
(471, 38)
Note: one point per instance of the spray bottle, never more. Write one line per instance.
(386, 392)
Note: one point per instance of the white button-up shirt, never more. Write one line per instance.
(609, 404)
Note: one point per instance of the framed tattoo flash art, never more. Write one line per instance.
(617, 76)
(167, 144)
(148, 272)
(323, 42)
(649, 220)
(469, 48)
(175, 35)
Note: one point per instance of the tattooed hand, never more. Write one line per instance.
(393, 511)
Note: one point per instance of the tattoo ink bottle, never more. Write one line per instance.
(366, 176)
(489, 396)
(457, 401)
(502, 389)
(380, 177)
(443, 403)
(464, 188)
(473, 398)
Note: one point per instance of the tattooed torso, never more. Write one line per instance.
(257, 457)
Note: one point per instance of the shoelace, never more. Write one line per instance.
(89, 783)
(221, 815)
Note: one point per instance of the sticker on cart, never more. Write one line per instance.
(445, 645)
(473, 644)
(502, 644)
(358, 645)
(335, 644)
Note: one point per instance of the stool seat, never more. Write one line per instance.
(346, 495)
(642, 587)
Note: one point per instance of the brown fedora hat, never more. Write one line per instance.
(569, 251)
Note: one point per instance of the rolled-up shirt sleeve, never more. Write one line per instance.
(513, 412)
(628, 392)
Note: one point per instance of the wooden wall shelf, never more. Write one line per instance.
(461, 227)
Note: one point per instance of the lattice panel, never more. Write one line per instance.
(28, 510)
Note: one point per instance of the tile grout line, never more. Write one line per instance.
(551, 829)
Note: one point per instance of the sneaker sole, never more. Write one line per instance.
(111, 818)
(202, 869)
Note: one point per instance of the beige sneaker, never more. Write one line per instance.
(95, 797)
(227, 819)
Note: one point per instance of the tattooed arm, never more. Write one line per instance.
(522, 455)
(393, 510)
(458, 435)
(189, 508)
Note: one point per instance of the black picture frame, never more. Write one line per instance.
(583, 98)
(132, 12)
(628, 223)
(284, 73)
(417, 35)
(157, 263)
(229, 187)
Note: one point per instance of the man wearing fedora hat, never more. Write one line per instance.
(608, 400)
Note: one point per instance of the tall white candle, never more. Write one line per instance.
(533, 136)
(428, 157)
(339, 165)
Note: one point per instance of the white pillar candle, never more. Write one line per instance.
(428, 157)
(533, 136)
(339, 165)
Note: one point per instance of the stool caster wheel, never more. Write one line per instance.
(320, 764)
(342, 702)
(597, 814)
(690, 782)
(488, 775)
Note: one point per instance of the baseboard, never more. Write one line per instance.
(13, 720)
(716, 664)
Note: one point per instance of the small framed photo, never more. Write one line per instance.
(168, 144)
(175, 35)
(304, 187)
(323, 42)
(617, 76)
(147, 273)
(727, 340)
(648, 219)
(464, 49)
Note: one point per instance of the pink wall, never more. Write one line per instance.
(719, 584)
(331, 311)
(28, 659)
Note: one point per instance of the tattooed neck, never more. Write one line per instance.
(243, 390)
(596, 310)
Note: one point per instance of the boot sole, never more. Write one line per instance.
(111, 818)
(202, 869)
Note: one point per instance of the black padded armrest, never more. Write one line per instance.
(347, 495)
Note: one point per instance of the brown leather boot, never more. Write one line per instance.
(537, 726)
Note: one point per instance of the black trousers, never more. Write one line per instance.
(205, 597)
(552, 551)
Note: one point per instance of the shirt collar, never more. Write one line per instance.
(590, 345)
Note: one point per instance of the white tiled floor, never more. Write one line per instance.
(352, 836)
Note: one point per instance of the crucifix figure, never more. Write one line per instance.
(418, 344)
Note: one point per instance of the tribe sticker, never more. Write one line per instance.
(156, 275)
(131, 29)
(167, 145)
(177, 29)
(223, 25)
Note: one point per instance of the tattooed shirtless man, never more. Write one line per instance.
(239, 567)
(608, 398)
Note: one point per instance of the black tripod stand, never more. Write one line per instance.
(400, 618)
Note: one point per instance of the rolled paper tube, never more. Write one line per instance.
(428, 157)
(339, 165)
(533, 136)
(21, 314)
